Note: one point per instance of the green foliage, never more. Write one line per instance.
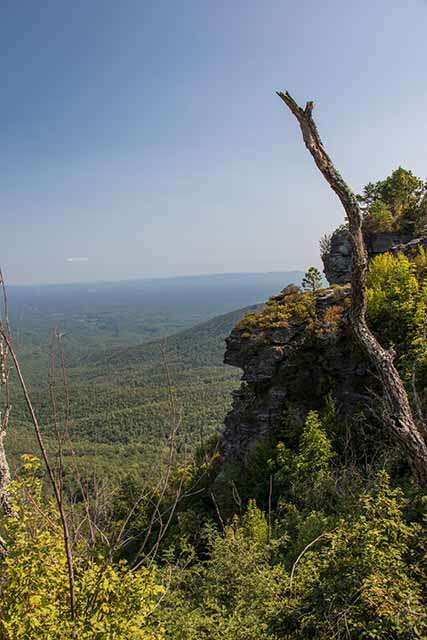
(389, 203)
(309, 575)
(397, 305)
(379, 219)
(420, 264)
(300, 475)
(112, 601)
(313, 459)
(235, 593)
(291, 306)
(312, 280)
(361, 583)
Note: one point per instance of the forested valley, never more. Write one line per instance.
(142, 516)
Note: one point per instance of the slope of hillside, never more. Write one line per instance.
(199, 346)
(103, 315)
(119, 400)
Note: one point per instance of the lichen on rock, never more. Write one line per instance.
(291, 367)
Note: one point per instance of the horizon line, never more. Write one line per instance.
(152, 278)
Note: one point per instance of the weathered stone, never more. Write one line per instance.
(290, 370)
(337, 261)
(411, 248)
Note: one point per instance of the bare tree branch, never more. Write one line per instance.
(398, 417)
(306, 548)
(5, 413)
(50, 471)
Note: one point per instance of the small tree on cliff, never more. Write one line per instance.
(386, 204)
(397, 412)
(312, 280)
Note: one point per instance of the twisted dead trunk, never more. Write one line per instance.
(4, 421)
(398, 414)
(4, 477)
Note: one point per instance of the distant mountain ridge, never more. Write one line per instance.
(100, 316)
(119, 398)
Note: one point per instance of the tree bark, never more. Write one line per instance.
(4, 475)
(398, 414)
(4, 421)
(4, 415)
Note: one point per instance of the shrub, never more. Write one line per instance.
(234, 595)
(397, 305)
(378, 219)
(291, 306)
(331, 320)
(360, 583)
(389, 203)
(300, 475)
(112, 601)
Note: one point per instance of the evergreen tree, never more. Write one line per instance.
(312, 280)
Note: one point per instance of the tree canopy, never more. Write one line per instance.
(395, 202)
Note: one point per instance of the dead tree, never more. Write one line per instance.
(4, 467)
(397, 409)
(5, 507)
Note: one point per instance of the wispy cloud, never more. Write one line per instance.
(78, 259)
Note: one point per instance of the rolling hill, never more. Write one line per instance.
(129, 348)
(119, 399)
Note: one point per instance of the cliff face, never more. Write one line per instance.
(337, 260)
(299, 348)
(288, 370)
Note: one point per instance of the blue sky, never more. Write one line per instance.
(146, 136)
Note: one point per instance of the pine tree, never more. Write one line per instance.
(312, 280)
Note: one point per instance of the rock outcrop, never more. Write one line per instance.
(337, 258)
(410, 248)
(288, 370)
(293, 354)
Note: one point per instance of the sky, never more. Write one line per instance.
(144, 138)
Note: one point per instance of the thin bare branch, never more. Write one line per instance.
(306, 548)
(51, 475)
(7, 407)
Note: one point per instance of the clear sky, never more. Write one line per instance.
(145, 136)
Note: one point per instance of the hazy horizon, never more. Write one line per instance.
(145, 140)
(183, 276)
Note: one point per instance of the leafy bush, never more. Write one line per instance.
(300, 474)
(397, 306)
(361, 582)
(291, 306)
(389, 203)
(234, 594)
(307, 575)
(112, 601)
(378, 219)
